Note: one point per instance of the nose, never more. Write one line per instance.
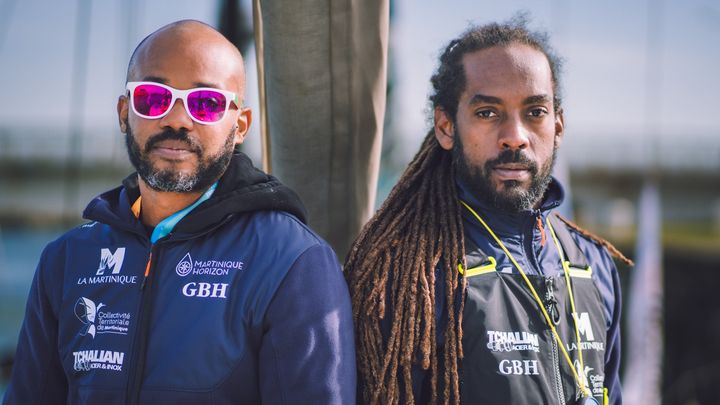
(177, 118)
(514, 134)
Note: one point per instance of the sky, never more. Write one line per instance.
(610, 93)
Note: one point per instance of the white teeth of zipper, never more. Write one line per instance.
(556, 367)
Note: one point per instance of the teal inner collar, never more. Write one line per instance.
(168, 224)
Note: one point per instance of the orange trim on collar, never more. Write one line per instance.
(136, 207)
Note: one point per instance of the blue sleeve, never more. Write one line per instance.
(612, 354)
(307, 355)
(37, 374)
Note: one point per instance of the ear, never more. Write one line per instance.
(444, 129)
(559, 127)
(122, 110)
(242, 125)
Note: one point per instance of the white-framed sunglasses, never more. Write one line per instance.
(205, 105)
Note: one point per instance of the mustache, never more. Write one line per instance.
(510, 156)
(171, 134)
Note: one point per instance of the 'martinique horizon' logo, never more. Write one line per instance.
(187, 266)
(184, 266)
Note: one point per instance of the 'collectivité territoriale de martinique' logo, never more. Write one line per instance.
(95, 320)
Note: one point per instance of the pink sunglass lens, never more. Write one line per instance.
(151, 100)
(207, 105)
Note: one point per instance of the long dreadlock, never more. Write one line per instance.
(417, 231)
(417, 228)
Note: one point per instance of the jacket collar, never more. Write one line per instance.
(242, 188)
(506, 222)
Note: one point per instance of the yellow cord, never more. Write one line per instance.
(566, 271)
(539, 301)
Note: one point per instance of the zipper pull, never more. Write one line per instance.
(540, 228)
(147, 272)
(551, 302)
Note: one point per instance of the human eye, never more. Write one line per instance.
(485, 113)
(537, 112)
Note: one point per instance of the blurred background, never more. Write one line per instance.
(641, 153)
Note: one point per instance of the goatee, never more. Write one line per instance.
(209, 168)
(512, 197)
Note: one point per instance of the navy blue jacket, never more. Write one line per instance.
(241, 303)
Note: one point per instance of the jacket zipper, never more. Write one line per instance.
(139, 353)
(552, 308)
(556, 369)
(141, 336)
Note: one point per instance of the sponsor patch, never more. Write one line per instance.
(587, 336)
(96, 319)
(187, 266)
(519, 367)
(205, 290)
(108, 271)
(501, 341)
(86, 360)
(593, 382)
(583, 323)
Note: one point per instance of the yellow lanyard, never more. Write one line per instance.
(580, 382)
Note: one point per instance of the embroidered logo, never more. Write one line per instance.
(187, 266)
(95, 320)
(518, 367)
(86, 360)
(184, 266)
(85, 311)
(205, 290)
(583, 323)
(593, 382)
(110, 260)
(501, 341)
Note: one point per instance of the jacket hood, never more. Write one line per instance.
(242, 188)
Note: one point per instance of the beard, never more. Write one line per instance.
(208, 170)
(511, 197)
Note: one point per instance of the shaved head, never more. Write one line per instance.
(191, 37)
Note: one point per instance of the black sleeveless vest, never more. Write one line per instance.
(510, 354)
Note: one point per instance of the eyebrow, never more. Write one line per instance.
(157, 79)
(540, 98)
(483, 99)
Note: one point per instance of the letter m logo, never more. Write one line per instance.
(582, 320)
(111, 261)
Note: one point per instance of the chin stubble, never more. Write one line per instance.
(512, 197)
(208, 170)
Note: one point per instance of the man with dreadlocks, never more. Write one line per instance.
(466, 286)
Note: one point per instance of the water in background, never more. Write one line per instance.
(19, 252)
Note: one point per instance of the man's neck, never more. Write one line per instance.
(158, 205)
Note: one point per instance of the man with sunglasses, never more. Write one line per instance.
(196, 281)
